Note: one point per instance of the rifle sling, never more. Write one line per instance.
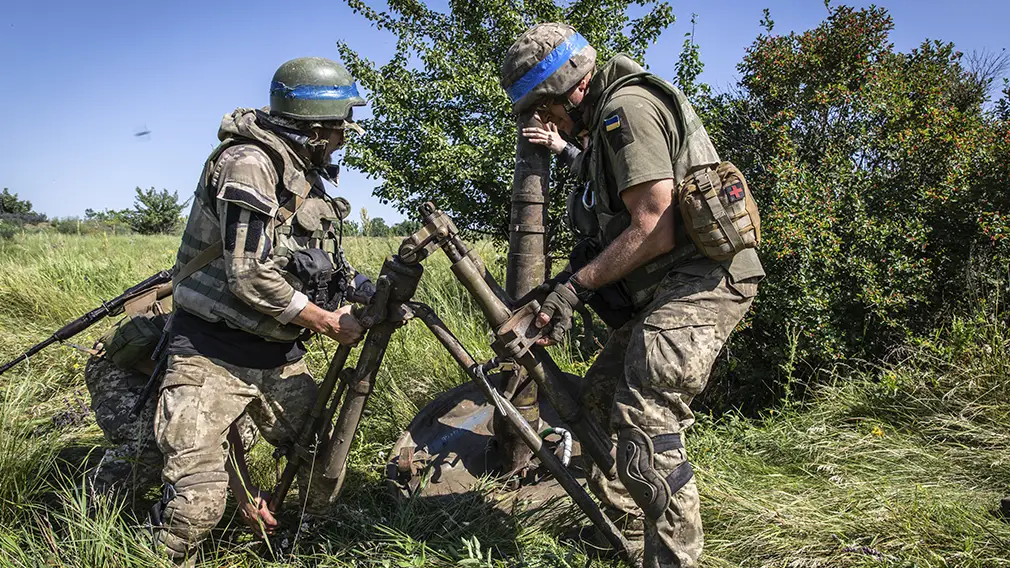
(203, 258)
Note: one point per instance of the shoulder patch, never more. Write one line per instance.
(246, 177)
(617, 130)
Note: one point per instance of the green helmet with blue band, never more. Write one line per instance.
(545, 63)
(315, 89)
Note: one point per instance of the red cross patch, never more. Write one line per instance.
(734, 192)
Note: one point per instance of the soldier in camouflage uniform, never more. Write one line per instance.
(644, 138)
(261, 236)
(133, 462)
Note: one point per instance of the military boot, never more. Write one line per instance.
(631, 525)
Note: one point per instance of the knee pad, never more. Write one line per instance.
(190, 510)
(174, 546)
(635, 466)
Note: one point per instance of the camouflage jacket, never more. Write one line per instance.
(259, 198)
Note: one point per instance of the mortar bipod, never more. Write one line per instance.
(385, 312)
(478, 374)
(390, 308)
(515, 336)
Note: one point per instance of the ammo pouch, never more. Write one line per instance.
(323, 283)
(719, 212)
(130, 342)
(611, 302)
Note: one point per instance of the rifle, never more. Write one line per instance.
(110, 308)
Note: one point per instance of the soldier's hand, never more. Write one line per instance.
(340, 325)
(546, 136)
(344, 327)
(556, 313)
(256, 515)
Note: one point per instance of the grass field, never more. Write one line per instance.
(889, 465)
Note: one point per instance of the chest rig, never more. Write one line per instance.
(305, 235)
(607, 215)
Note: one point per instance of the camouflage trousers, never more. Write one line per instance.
(642, 385)
(133, 463)
(200, 398)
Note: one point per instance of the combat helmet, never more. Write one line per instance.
(313, 88)
(545, 63)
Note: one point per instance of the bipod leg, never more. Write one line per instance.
(396, 284)
(564, 477)
(360, 387)
(314, 427)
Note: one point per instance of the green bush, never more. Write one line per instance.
(8, 230)
(68, 225)
(881, 178)
(154, 212)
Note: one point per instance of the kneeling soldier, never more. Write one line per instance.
(117, 376)
(259, 269)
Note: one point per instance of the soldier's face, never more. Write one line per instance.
(560, 111)
(325, 140)
(555, 113)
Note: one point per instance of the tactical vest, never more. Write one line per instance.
(612, 217)
(304, 220)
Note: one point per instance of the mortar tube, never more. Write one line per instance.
(526, 433)
(594, 440)
(527, 265)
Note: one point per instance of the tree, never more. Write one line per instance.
(406, 228)
(111, 216)
(377, 228)
(155, 211)
(9, 203)
(17, 211)
(881, 178)
(442, 127)
(351, 228)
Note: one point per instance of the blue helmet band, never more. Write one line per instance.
(314, 92)
(541, 71)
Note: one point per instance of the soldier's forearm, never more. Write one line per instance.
(625, 254)
(651, 234)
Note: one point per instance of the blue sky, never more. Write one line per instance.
(80, 78)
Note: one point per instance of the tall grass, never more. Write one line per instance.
(895, 465)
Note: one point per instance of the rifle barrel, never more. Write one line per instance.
(87, 320)
(32, 351)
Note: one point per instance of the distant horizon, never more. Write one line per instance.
(171, 72)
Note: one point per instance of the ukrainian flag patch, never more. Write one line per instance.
(617, 130)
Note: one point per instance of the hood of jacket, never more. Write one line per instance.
(242, 123)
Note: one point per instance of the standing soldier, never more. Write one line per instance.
(651, 259)
(259, 257)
